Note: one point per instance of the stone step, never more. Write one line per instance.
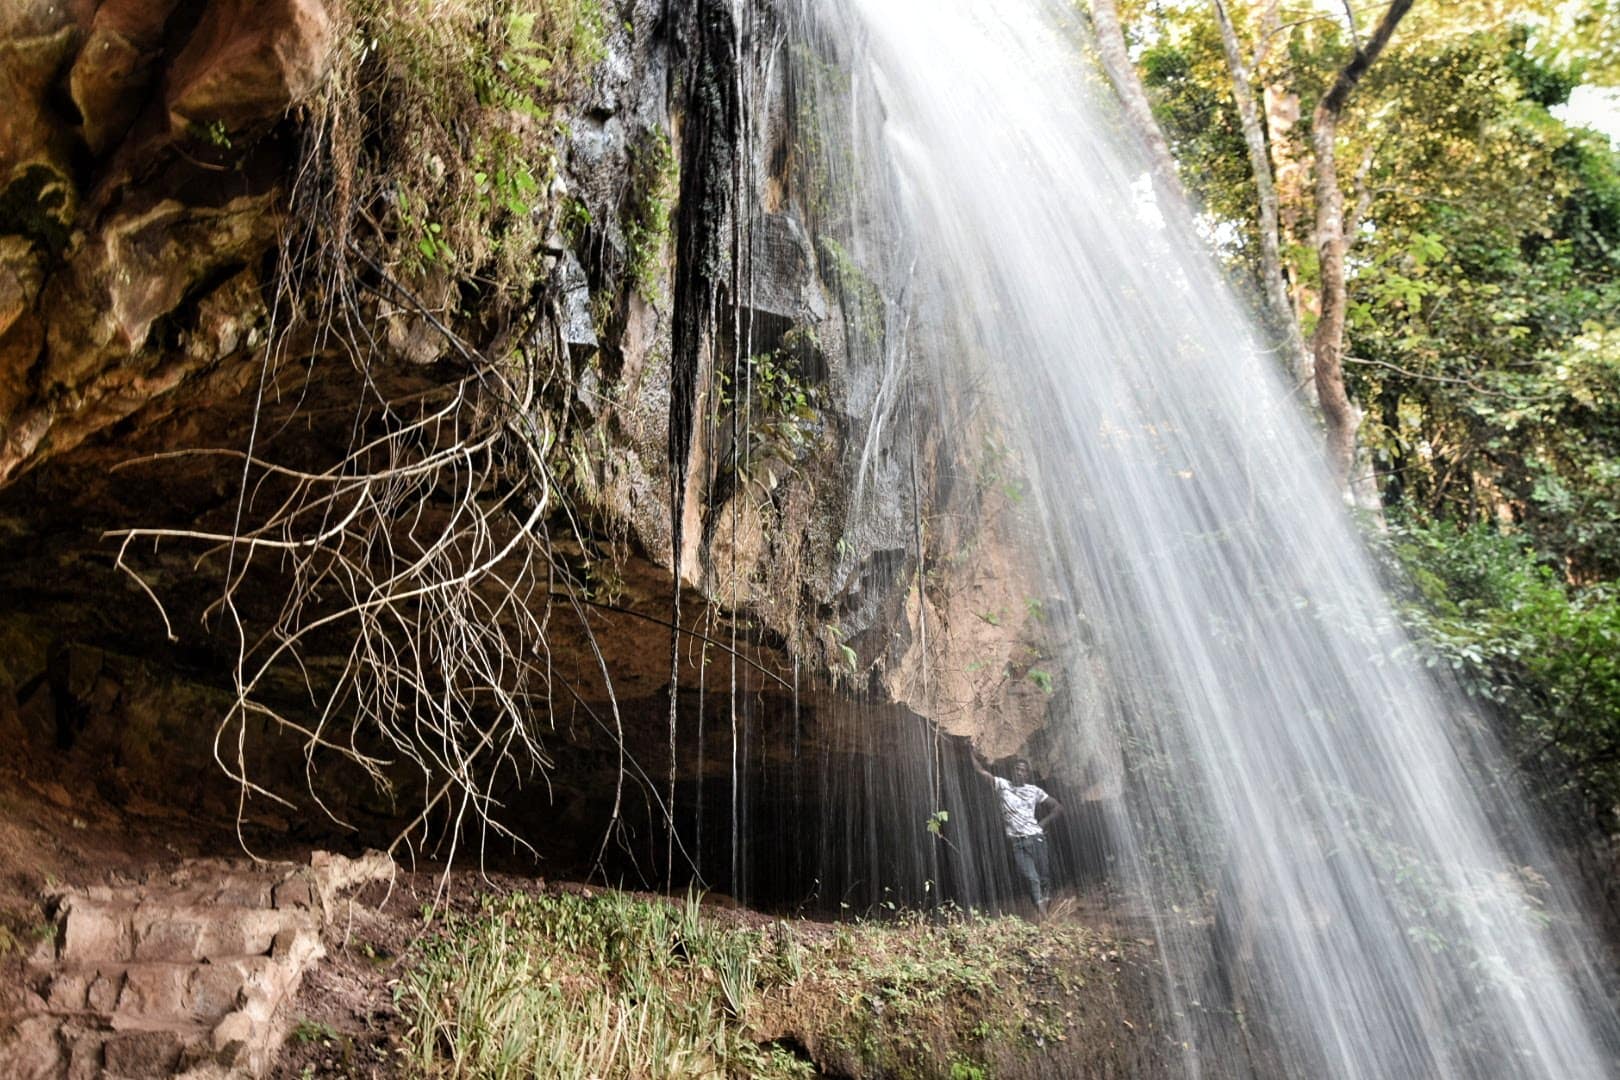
(157, 1050)
(204, 992)
(95, 932)
(188, 974)
(242, 1043)
(188, 889)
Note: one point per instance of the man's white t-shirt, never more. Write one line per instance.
(1018, 807)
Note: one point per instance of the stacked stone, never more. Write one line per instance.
(189, 976)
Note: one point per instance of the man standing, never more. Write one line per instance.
(1026, 810)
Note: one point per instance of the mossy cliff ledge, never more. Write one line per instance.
(507, 331)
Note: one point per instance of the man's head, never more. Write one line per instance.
(1020, 771)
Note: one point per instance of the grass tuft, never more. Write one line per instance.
(570, 986)
(608, 985)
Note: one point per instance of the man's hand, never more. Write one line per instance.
(1048, 811)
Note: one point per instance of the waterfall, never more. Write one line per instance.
(1342, 876)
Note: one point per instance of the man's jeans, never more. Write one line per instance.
(1029, 855)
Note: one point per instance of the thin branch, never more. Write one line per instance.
(1422, 377)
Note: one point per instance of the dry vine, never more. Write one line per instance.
(425, 558)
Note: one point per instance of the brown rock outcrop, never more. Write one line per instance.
(167, 216)
(247, 61)
(139, 231)
(115, 69)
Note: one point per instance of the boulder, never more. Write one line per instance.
(114, 72)
(247, 61)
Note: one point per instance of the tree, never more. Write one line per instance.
(1274, 281)
(1467, 271)
(1339, 414)
(1127, 83)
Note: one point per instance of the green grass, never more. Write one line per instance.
(608, 985)
(570, 986)
(20, 931)
(977, 984)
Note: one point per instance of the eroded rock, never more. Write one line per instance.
(33, 55)
(155, 231)
(116, 69)
(248, 60)
(133, 322)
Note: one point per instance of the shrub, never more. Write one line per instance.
(1544, 653)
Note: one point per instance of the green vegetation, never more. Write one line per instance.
(776, 410)
(1482, 339)
(1516, 635)
(215, 134)
(779, 406)
(655, 183)
(38, 204)
(573, 985)
(440, 130)
(1484, 270)
(20, 931)
(836, 635)
(313, 1031)
(999, 468)
(861, 296)
(608, 985)
(917, 997)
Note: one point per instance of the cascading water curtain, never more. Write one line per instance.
(1332, 858)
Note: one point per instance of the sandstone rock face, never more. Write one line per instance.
(159, 222)
(141, 234)
(248, 60)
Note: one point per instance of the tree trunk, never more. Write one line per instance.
(1128, 85)
(1279, 309)
(1327, 345)
(1290, 175)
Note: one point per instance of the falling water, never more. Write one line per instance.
(1333, 856)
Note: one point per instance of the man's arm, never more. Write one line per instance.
(1048, 811)
(979, 766)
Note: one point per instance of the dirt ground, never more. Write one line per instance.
(344, 1023)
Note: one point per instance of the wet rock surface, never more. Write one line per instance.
(145, 167)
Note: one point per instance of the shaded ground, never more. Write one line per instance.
(955, 996)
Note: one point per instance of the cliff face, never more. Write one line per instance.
(131, 267)
(425, 359)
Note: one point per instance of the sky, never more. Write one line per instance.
(1594, 106)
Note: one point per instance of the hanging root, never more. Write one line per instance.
(394, 611)
(423, 561)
